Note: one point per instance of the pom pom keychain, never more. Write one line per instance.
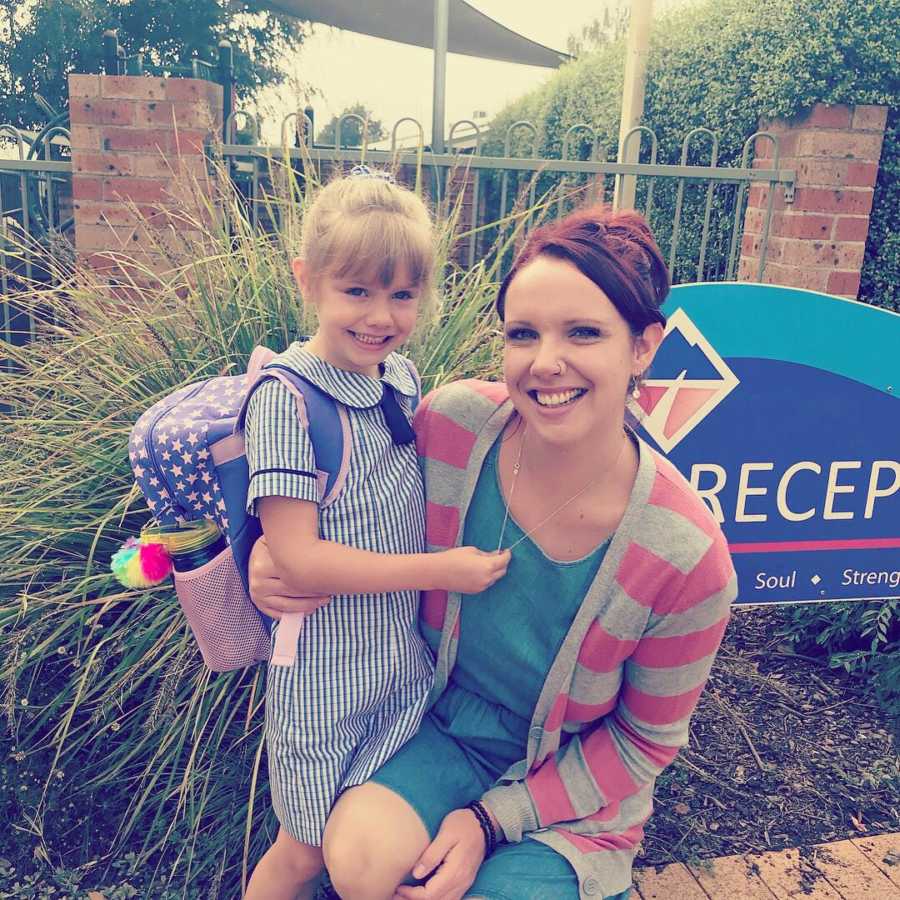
(141, 564)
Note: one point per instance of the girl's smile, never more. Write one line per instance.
(361, 320)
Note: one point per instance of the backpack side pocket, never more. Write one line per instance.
(226, 625)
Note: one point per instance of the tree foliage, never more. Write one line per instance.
(352, 129)
(41, 43)
(600, 31)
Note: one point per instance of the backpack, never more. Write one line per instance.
(187, 454)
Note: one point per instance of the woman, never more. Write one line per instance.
(562, 691)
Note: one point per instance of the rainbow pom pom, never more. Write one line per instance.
(140, 565)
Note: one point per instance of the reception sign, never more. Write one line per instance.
(781, 407)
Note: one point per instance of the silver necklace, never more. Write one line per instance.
(512, 489)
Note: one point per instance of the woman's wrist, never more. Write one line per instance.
(490, 830)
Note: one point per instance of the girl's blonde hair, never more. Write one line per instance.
(370, 228)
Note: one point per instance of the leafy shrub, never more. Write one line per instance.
(881, 267)
(861, 638)
(724, 65)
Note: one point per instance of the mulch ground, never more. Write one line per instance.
(784, 752)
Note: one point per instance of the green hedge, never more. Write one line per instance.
(724, 65)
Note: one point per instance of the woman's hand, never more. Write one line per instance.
(267, 590)
(454, 857)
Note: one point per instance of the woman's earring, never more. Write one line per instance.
(635, 387)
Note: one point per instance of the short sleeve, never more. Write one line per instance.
(279, 452)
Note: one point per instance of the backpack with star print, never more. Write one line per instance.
(187, 454)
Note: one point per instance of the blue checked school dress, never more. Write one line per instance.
(357, 689)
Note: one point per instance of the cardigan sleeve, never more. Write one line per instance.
(628, 747)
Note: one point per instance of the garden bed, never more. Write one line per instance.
(784, 752)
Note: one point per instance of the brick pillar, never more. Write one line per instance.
(138, 165)
(461, 192)
(818, 241)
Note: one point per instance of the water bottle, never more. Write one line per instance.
(191, 545)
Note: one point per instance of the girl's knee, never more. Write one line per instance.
(304, 861)
(371, 842)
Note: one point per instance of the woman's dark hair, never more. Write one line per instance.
(615, 250)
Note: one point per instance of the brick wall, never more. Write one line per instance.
(817, 242)
(139, 173)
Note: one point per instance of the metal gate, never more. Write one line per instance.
(36, 224)
(696, 211)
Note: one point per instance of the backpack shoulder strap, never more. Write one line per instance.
(328, 426)
(418, 381)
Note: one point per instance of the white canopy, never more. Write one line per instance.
(470, 32)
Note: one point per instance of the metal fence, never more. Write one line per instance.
(696, 210)
(36, 223)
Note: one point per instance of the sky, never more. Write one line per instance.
(395, 80)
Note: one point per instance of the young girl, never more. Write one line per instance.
(356, 690)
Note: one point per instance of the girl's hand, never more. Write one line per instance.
(453, 858)
(470, 570)
(267, 590)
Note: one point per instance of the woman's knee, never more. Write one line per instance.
(371, 841)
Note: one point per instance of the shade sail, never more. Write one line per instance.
(471, 32)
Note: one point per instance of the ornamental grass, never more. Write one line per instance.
(119, 743)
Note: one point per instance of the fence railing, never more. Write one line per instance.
(36, 223)
(696, 211)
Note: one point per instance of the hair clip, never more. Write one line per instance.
(363, 171)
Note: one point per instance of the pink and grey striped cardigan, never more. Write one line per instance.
(617, 701)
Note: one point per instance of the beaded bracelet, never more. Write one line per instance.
(487, 826)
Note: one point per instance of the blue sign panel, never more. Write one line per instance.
(781, 407)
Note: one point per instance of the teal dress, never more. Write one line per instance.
(479, 726)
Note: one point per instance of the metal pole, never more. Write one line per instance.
(441, 27)
(226, 79)
(110, 52)
(633, 96)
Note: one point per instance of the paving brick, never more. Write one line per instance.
(92, 213)
(87, 188)
(185, 141)
(91, 239)
(668, 883)
(788, 876)
(851, 873)
(731, 878)
(796, 276)
(884, 851)
(812, 254)
(803, 225)
(154, 165)
(189, 90)
(862, 174)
